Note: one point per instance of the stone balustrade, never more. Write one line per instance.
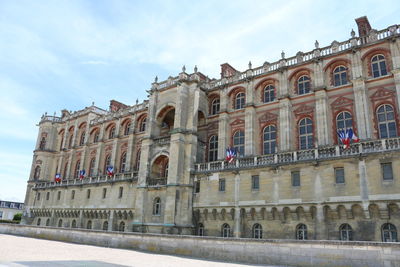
(164, 140)
(322, 153)
(119, 177)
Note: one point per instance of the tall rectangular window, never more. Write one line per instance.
(295, 178)
(339, 175)
(197, 186)
(387, 171)
(104, 192)
(47, 195)
(221, 186)
(255, 182)
(88, 194)
(72, 194)
(121, 192)
(59, 195)
(38, 196)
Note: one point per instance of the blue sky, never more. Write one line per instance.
(66, 54)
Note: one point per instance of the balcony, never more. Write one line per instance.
(329, 152)
(101, 179)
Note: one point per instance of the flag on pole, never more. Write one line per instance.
(110, 170)
(346, 136)
(57, 178)
(230, 154)
(82, 174)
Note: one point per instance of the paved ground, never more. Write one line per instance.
(24, 251)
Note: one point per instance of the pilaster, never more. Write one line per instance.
(362, 108)
(285, 124)
(223, 135)
(321, 117)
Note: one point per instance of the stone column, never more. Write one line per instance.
(321, 117)
(362, 109)
(111, 220)
(72, 152)
(250, 131)
(364, 191)
(223, 131)
(285, 131)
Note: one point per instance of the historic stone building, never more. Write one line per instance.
(292, 178)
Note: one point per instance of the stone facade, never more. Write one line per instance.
(292, 177)
(9, 208)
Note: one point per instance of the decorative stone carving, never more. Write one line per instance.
(268, 117)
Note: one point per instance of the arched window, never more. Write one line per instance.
(111, 133)
(48, 222)
(269, 139)
(301, 232)
(346, 233)
(157, 206)
(269, 94)
(62, 141)
(165, 170)
(77, 168)
(344, 121)
(215, 106)
(122, 162)
(238, 143)
(73, 224)
(137, 165)
(82, 140)
(127, 128)
(71, 139)
(226, 230)
(107, 162)
(42, 144)
(386, 120)
(121, 227)
(142, 126)
(96, 136)
(389, 233)
(89, 225)
(213, 148)
(60, 223)
(339, 76)
(378, 66)
(105, 226)
(257, 231)
(91, 167)
(240, 100)
(38, 222)
(303, 85)
(200, 229)
(306, 134)
(36, 175)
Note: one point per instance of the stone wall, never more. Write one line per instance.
(277, 252)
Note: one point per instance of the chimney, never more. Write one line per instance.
(363, 26)
(227, 70)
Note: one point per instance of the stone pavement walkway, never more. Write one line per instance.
(25, 251)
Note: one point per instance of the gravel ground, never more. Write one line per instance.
(25, 251)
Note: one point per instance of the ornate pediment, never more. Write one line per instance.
(382, 93)
(341, 101)
(268, 116)
(237, 122)
(303, 109)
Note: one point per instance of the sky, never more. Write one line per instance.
(58, 55)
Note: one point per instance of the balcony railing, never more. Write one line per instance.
(164, 140)
(156, 181)
(329, 152)
(90, 180)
